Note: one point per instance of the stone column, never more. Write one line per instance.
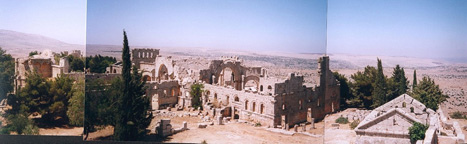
(304, 127)
(295, 128)
(312, 123)
(243, 82)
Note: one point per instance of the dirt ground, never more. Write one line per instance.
(231, 132)
(72, 131)
(342, 135)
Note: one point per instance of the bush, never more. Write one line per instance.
(257, 124)
(342, 120)
(417, 132)
(204, 142)
(458, 115)
(354, 124)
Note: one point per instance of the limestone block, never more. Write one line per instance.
(202, 125)
(219, 120)
(185, 125)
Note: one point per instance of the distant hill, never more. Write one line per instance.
(20, 44)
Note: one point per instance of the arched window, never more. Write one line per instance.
(173, 91)
(246, 104)
(300, 104)
(261, 109)
(283, 106)
(261, 88)
(254, 106)
(269, 87)
(236, 99)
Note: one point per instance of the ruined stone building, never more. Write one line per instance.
(390, 123)
(237, 91)
(44, 64)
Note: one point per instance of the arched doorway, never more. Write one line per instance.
(227, 77)
(163, 72)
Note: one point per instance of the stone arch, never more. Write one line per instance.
(254, 79)
(147, 78)
(236, 74)
(163, 72)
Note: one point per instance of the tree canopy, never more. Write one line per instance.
(429, 93)
(98, 63)
(134, 115)
(7, 71)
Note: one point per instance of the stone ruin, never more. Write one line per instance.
(234, 90)
(45, 65)
(390, 123)
(164, 128)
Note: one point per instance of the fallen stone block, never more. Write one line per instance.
(202, 125)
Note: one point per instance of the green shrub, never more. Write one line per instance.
(342, 120)
(354, 124)
(204, 142)
(417, 132)
(257, 124)
(458, 115)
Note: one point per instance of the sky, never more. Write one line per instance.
(297, 26)
(415, 28)
(58, 19)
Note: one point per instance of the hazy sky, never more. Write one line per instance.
(420, 28)
(64, 20)
(274, 25)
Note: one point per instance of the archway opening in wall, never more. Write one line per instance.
(261, 109)
(146, 78)
(254, 106)
(252, 84)
(115, 71)
(300, 104)
(227, 78)
(261, 88)
(174, 91)
(236, 99)
(163, 72)
(236, 115)
(246, 104)
(269, 87)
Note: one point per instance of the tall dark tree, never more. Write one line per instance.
(414, 83)
(362, 88)
(429, 93)
(379, 94)
(134, 113)
(7, 71)
(344, 89)
(397, 85)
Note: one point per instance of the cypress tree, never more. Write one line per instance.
(414, 80)
(121, 129)
(379, 94)
(134, 114)
(403, 83)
